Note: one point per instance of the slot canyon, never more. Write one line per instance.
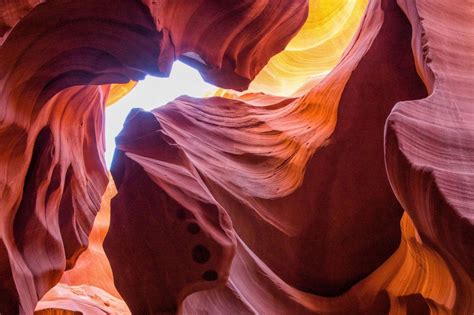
(329, 168)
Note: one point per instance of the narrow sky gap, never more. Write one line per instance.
(151, 93)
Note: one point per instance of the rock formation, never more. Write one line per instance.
(341, 182)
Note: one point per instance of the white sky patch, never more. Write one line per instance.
(151, 93)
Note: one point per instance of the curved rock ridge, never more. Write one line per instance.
(313, 52)
(84, 299)
(429, 142)
(415, 277)
(92, 268)
(48, 167)
(88, 288)
(229, 42)
(354, 195)
(52, 172)
(11, 12)
(284, 200)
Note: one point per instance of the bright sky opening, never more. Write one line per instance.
(151, 93)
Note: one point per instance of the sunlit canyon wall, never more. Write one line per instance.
(339, 180)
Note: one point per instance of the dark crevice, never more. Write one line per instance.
(67, 220)
(26, 220)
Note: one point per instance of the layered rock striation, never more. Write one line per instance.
(347, 187)
(56, 61)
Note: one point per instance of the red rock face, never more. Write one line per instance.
(52, 136)
(45, 219)
(356, 196)
(436, 184)
(228, 41)
(240, 158)
(53, 172)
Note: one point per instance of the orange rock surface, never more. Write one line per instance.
(340, 181)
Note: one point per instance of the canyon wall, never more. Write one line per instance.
(341, 181)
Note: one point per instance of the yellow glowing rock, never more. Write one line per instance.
(117, 91)
(314, 51)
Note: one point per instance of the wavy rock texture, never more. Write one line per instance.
(52, 172)
(92, 268)
(313, 52)
(11, 12)
(229, 42)
(88, 288)
(303, 182)
(430, 141)
(64, 299)
(414, 278)
(48, 167)
(249, 204)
